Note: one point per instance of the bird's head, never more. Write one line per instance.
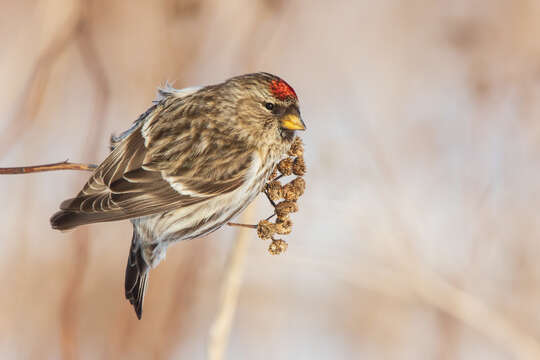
(266, 104)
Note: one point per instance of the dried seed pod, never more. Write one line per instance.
(290, 193)
(285, 166)
(299, 184)
(293, 190)
(277, 247)
(293, 164)
(284, 208)
(299, 166)
(274, 190)
(297, 148)
(265, 229)
(283, 226)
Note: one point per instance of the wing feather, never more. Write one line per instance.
(144, 174)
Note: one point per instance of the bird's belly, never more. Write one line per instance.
(203, 218)
(209, 217)
(199, 219)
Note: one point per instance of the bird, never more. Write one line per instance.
(194, 160)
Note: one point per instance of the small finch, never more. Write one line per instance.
(191, 162)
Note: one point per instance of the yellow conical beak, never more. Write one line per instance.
(292, 122)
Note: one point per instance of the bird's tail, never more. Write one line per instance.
(137, 272)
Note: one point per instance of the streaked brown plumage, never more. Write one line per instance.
(192, 161)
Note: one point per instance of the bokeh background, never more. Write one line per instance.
(417, 237)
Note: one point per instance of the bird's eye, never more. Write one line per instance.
(269, 106)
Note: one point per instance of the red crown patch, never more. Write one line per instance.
(282, 90)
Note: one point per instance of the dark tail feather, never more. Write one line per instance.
(137, 272)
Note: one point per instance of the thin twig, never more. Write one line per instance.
(242, 225)
(221, 328)
(64, 165)
(271, 216)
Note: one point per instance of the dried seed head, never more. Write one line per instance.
(274, 190)
(283, 226)
(277, 247)
(293, 190)
(290, 193)
(293, 164)
(299, 166)
(285, 166)
(299, 185)
(284, 208)
(297, 148)
(265, 229)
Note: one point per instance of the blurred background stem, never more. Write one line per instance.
(232, 281)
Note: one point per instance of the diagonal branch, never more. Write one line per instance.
(64, 165)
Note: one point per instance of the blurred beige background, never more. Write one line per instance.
(417, 237)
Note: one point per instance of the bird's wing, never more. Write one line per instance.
(164, 164)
